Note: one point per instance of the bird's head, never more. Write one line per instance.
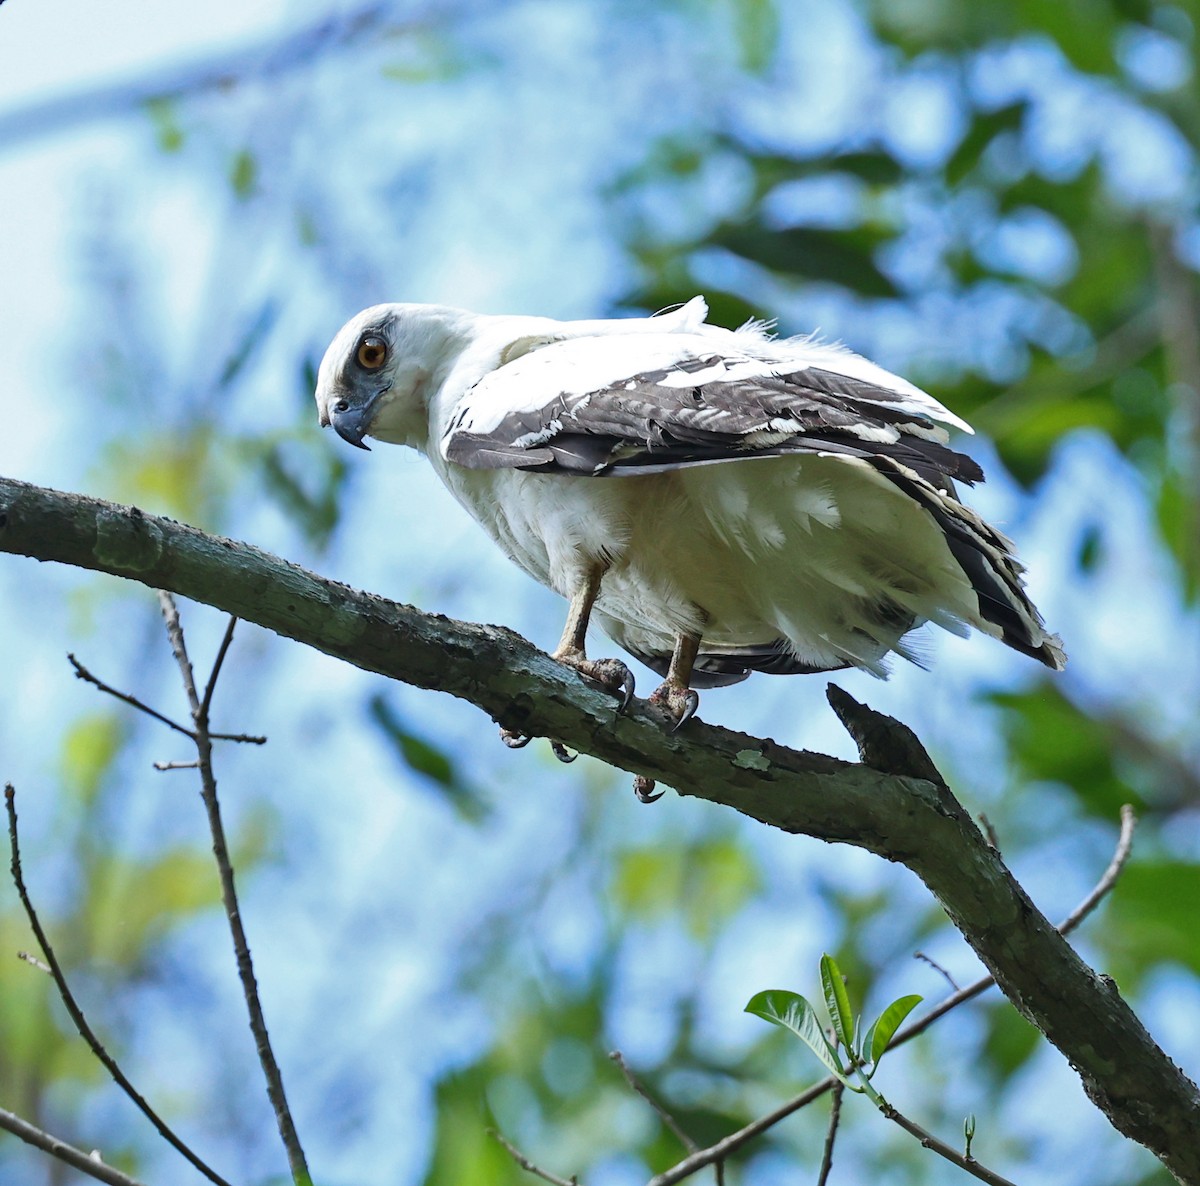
(384, 366)
(358, 373)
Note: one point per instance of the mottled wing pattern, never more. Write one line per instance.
(711, 409)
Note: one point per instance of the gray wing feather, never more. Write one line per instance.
(644, 425)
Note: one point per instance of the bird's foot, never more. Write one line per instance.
(677, 700)
(610, 674)
(643, 788)
(516, 740)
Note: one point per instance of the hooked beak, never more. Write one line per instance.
(352, 424)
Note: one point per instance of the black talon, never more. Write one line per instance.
(643, 788)
(625, 687)
(514, 740)
(562, 753)
(689, 711)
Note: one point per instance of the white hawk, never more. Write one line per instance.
(720, 501)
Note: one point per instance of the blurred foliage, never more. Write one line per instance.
(1044, 284)
(423, 757)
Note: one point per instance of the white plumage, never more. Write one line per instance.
(729, 501)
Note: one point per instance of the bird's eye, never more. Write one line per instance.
(372, 353)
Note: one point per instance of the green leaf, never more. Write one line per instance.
(425, 758)
(89, 750)
(1010, 1042)
(305, 478)
(983, 130)
(757, 31)
(876, 1039)
(1053, 740)
(254, 337)
(703, 884)
(167, 132)
(1177, 515)
(243, 174)
(837, 1001)
(1152, 919)
(844, 257)
(792, 1012)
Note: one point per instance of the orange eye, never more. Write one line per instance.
(372, 353)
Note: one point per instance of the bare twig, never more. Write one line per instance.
(835, 1117)
(176, 766)
(245, 738)
(1109, 879)
(72, 1006)
(920, 955)
(218, 663)
(940, 1147)
(636, 1085)
(76, 1158)
(722, 1149)
(82, 673)
(245, 965)
(528, 1165)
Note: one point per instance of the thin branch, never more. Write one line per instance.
(245, 738)
(82, 673)
(218, 663)
(160, 766)
(835, 1117)
(268, 57)
(920, 955)
(76, 1013)
(528, 1166)
(663, 1115)
(722, 1149)
(245, 966)
(85, 1163)
(1109, 879)
(940, 1147)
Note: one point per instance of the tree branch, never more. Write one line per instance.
(76, 1013)
(938, 1146)
(61, 1151)
(835, 1116)
(528, 1166)
(906, 814)
(265, 58)
(241, 946)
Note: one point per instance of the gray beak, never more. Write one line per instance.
(351, 424)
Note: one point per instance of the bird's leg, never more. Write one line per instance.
(609, 673)
(674, 695)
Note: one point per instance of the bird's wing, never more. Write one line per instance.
(617, 403)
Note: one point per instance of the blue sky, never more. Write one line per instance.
(479, 187)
